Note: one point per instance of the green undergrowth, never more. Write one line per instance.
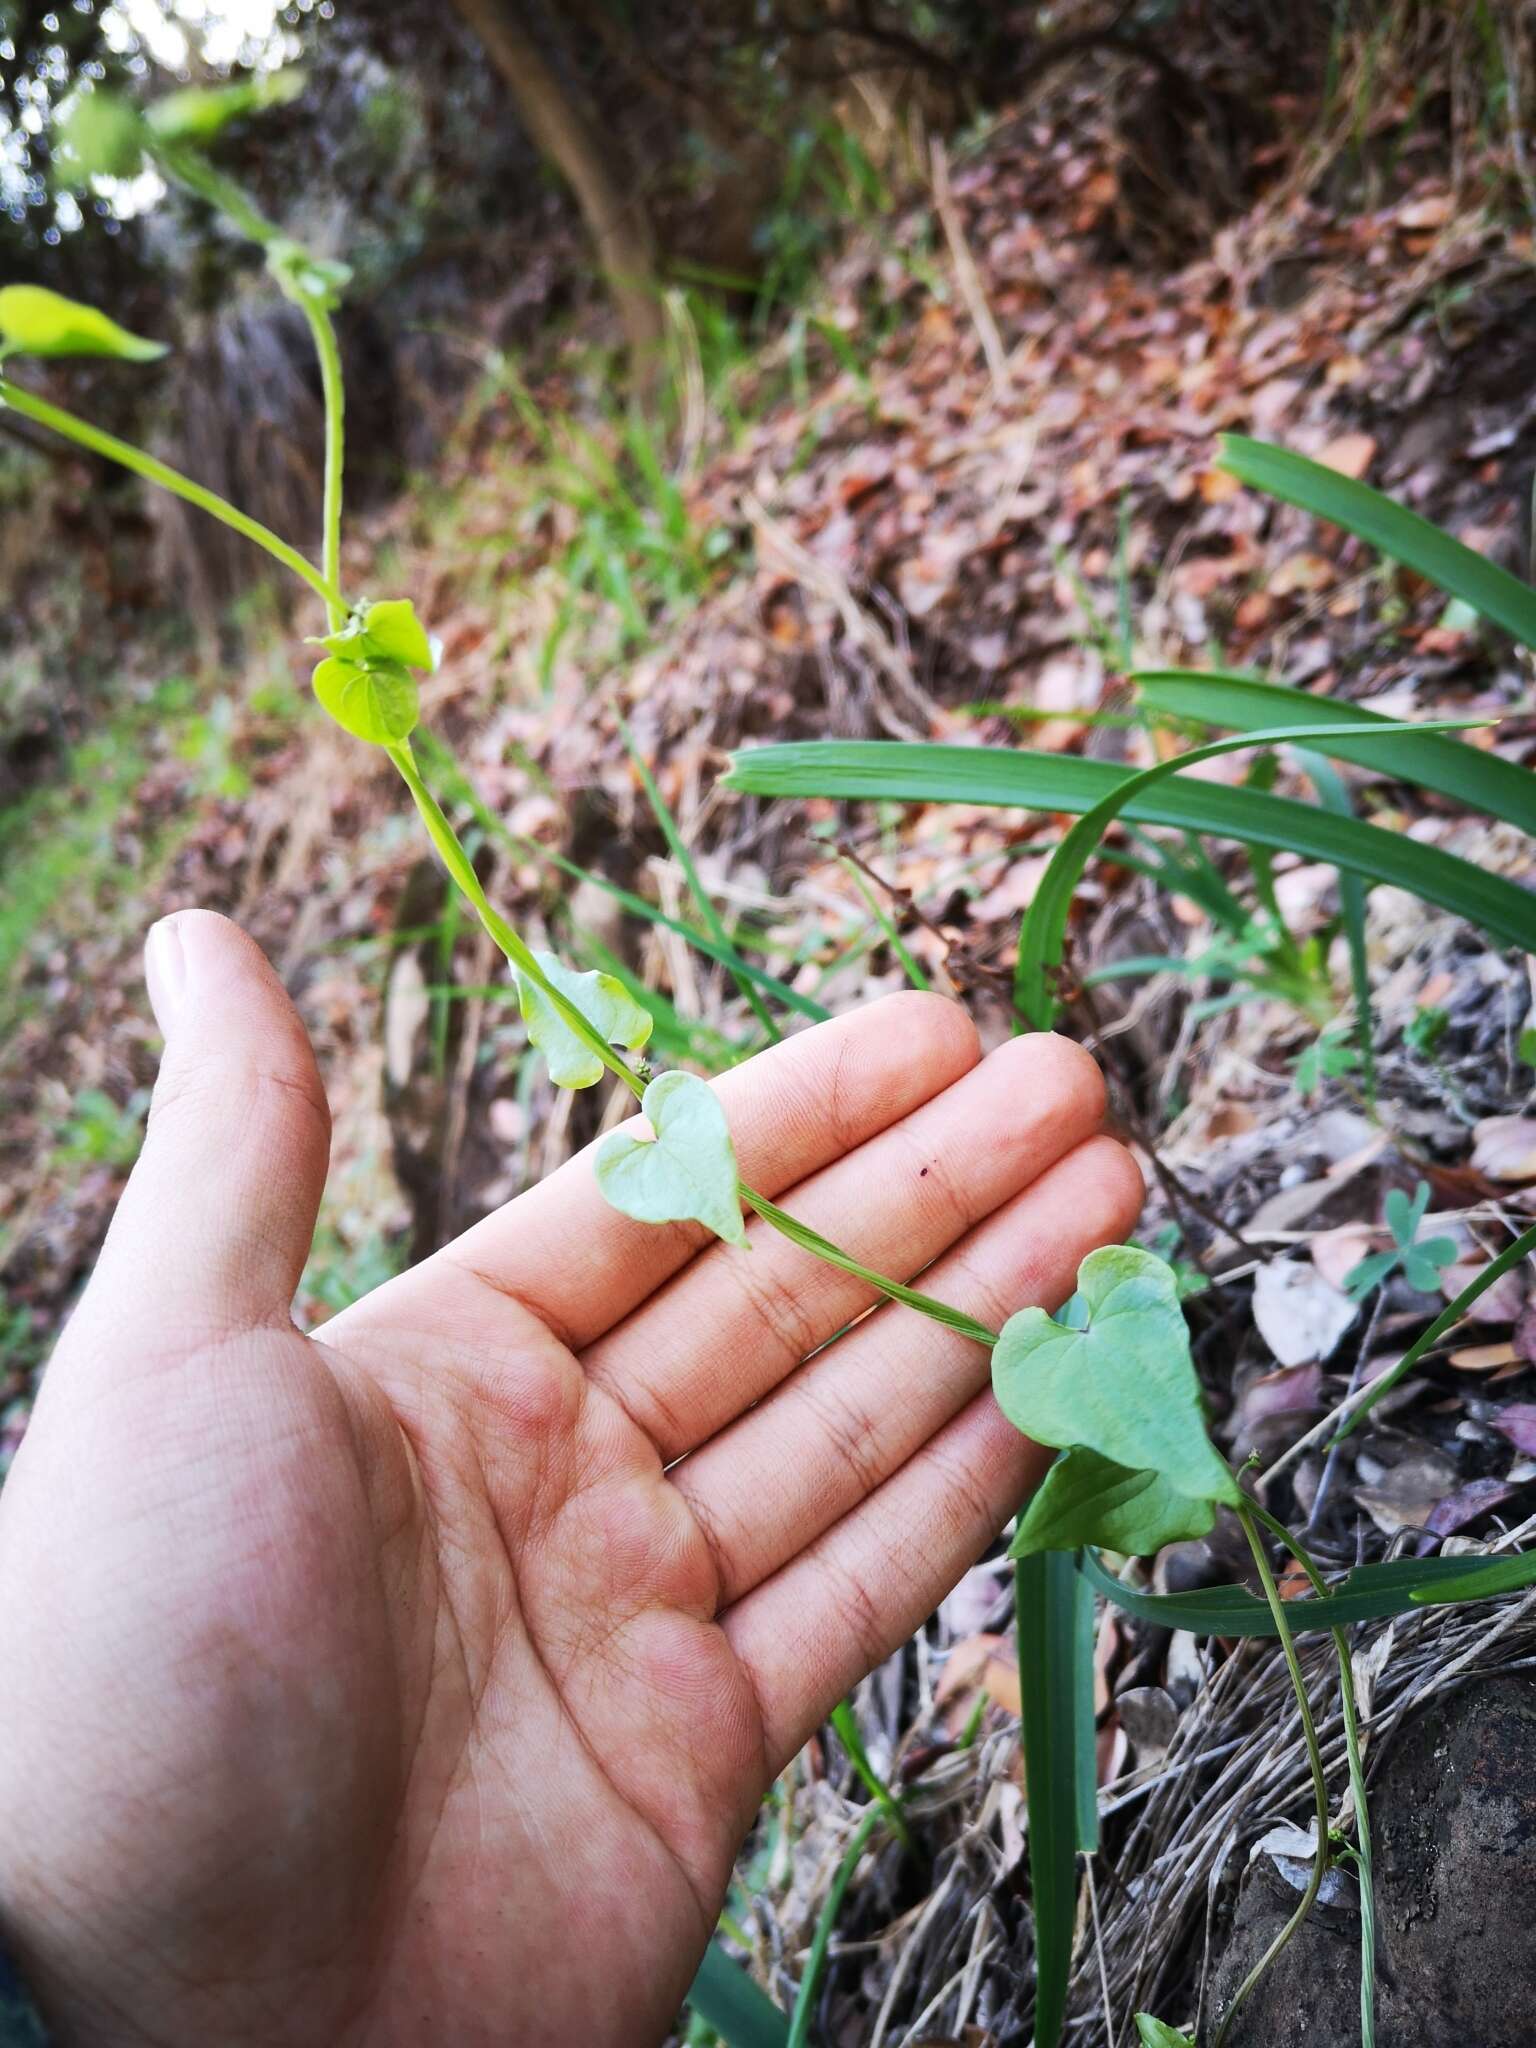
(68, 871)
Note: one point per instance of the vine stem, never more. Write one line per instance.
(1351, 1715)
(153, 471)
(1246, 1515)
(451, 851)
(333, 391)
(441, 832)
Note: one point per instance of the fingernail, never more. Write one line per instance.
(165, 972)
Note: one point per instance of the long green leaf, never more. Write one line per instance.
(1085, 1748)
(740, 2013)
(910, 772)
(1045, 1601)
(1042, 940)
(1449, 767)
(1370, 1592)
(1388, 526)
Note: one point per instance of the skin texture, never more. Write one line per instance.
(400, 1685)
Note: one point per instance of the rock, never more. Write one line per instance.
(1454, 1819)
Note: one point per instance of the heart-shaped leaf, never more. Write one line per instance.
(1086, 1498)
(1124, 1386)
(687, 1173)
(1158, 2033)
(37, 322)
(387, 631)
(602, 999)
(374, 701)
(391, 631)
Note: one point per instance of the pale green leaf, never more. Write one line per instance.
(1086, 1498)
(99, 136)
(377, 702)
(198, 113)
(392, 630)
(37, 322)
(1125, 1385)
(1158, 2033)
(687, 1173)
(602, 999)
(304, 277)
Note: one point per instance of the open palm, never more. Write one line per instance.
(419, 1682)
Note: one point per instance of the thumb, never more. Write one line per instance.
(214, 1227)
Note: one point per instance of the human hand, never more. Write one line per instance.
(398, 1684)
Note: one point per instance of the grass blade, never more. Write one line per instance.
(887, 924)
(847, 1730)
(1371, 1592)
(739, 2011)
(1085, 1748)
(805, 1999)
(463, 791)
(1219, 697)
(1332, 794)
(1387, 526)
(1042, 941)
(913, 772)
(1046, 1608)
(1447, 1319)
(701, 895)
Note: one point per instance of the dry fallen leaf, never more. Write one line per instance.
(1299, 1315)
(1351, 455)
(1505, 1147)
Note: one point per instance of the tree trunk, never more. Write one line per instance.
(565, 134)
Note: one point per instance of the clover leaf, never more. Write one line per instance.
(37, 322)
(1419, 1259)
(375, 701)
(687, 1173)
(602, 999)
(1124, 1385)
(1086, 1498)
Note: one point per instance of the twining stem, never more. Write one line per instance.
(833, 1255)
(1362, 1852)
(1245, 1515)
(153, 471)
(326, 587)
(805, 1999)
(459, 865)
(333, 391)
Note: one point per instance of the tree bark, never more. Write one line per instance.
(564, 133)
